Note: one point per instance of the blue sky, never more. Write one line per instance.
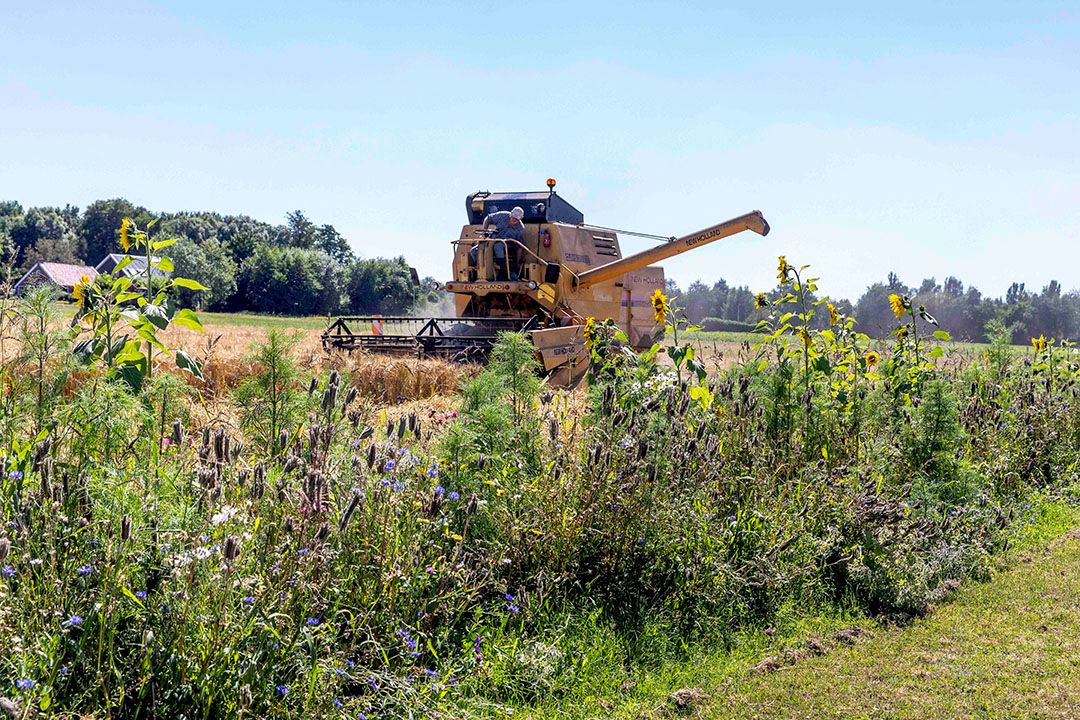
(929, 139)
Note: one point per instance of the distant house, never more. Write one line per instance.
(60, 275)
(137, 266)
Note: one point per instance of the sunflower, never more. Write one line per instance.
(782, 269)
(760, 301)
(872, 358)
(125, 233)
(659, 306)
(898, 305)
(834, 317)
(1039, 343)
(79, 290)
(590, 332)
(805, 337)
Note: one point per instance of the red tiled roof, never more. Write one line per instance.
(67, 275)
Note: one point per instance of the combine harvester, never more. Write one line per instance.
(564, 272)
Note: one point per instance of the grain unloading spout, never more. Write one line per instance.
(750, 221)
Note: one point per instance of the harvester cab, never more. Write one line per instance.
(562, 272)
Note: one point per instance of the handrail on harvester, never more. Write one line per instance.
(750, 221)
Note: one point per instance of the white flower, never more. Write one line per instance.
(202, 553)
(226, 514)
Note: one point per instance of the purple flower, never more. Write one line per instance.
(141, 594)
(513, 608)
(338, 704)
(302, 551)
(384, 482)
(84, 570)
(439, 490)
(433, 472)
(509, 597)
(282, 690)
(371, 681)
(311, 622)
(453, 495)
(24, 684)
(398, 486)
(75, 620)
(389, 466)
(15, 475)
(7, 571)
(249, 600)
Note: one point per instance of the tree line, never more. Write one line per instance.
(962, 310)
(296, 268)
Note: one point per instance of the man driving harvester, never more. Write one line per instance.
(507, 226)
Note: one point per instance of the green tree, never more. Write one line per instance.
(210, 264)
(383, 286)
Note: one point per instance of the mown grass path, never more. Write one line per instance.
(1008, 648)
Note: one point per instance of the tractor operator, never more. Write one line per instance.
(509, 226)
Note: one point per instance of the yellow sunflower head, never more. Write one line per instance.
(805, 337)
(1039, 343)
(898, 305)
(782, 269)
(872, 358)
(761, 301)
(659, 306)
(834, 317)
(590, 332)
(125, 233)
(79, 291)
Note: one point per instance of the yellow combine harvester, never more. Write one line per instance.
(562, 272)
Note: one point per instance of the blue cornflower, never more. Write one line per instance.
(338, 704)
(371, 681)
(249, 600)
(7, 571)
(141, 594)
(513, 608)
(361, 716)
(24, 684)
(15, 475)
(311, 622)
(440, 490)
(384, 482)
(302, 551)
(430, 673)
(350, 663)
(433, 472)
(84, 570)
(282, 690)
(75, 620)
(509, 597)
(453, 495)
(398, 486)
(389, 466)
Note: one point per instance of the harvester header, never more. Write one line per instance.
(542, 270)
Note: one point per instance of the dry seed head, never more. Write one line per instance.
(389, 428)
(347, 515)
(10, 707)
(177, 432)
(313, 386)
(371, 456)
(125, 528)
(401, 427)
(5, 548)
(231, 548)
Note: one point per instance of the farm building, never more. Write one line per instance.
(60, 275)
(136, 267)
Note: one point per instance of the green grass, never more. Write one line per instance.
(1009, 647)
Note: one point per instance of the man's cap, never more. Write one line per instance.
(517, 213)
